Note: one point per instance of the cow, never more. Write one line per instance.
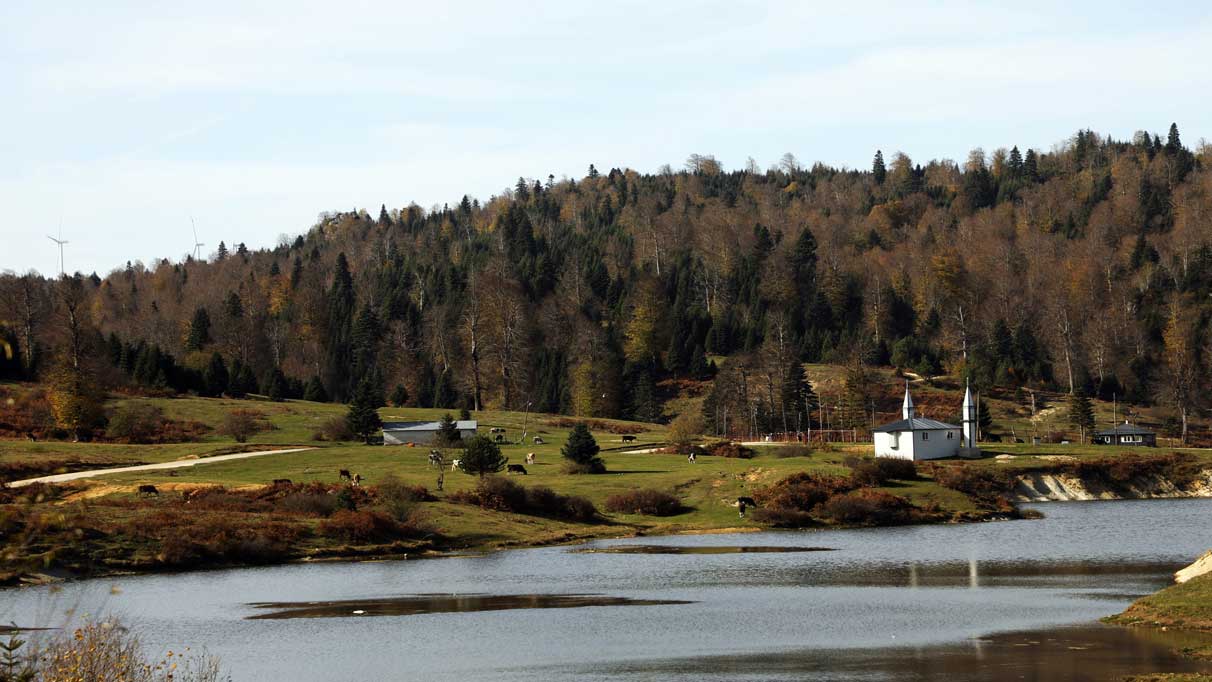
(344, 475)
(148, 491)
(357, 480)
(530, 458)
(742, 502)
(496, 429)
(499, 438)
(628, 439)
(538, 440)
(435, 458)
(515, 469)
(454, 464)
(189, 495)
(281, 481)
(692, 458)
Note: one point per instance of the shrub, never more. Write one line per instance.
(685, 429)
(199, 536)
(309, 503)
(581, 451)
(986, 485)
(869, 508)
(361, 526)
(242, 423)
(335, 429)
(783, 518)
(135, 422)
(877, 471)
(793, 450)
(648, 502)
(399, 499)
(725, 448)
(104, 651)
(801, 491)
(543, 501)
(482, 457)
(502, 494)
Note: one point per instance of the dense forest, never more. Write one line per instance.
(1086, 268)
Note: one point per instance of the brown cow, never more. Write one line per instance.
(148, 491)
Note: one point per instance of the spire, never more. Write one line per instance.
(907, 411)
(968, 435)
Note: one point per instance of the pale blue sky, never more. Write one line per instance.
(253, 117)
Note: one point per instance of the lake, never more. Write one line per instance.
(999, 600)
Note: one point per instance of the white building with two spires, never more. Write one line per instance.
(918, 438)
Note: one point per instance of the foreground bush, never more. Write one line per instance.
(874, 472)
(501, 494)
(188, 539)
(729, 449)
(101, 651)
(801, 492)
(364, 527)
(783, 518)
(793, 450)
(241, 424)
(648, 502)
(868, 508)
(335, 429)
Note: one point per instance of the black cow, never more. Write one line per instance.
(344, 475)
(628, 439)
(515, 469)
(281, 481)
(148, 490)
(742, 502)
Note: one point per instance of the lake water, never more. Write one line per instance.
(1002, 600)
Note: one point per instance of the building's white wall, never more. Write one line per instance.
(937, 445)
(911, 445)
(897, 445)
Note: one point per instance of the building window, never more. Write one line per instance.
(950, 435)
(925, 436)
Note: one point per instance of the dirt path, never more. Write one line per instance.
(175, 464)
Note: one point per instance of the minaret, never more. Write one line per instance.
(968, 441)
(907, 411)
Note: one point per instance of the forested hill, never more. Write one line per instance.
(1086, 267)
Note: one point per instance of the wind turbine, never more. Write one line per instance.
(60, 241)
(197, 244)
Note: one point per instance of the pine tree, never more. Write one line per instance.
(315, 391)
(363, 416)
(984, 419)
(399, 396)
(481, 457)
(214, 377)
(448, 435)
(384, 218)
(338, 353)
(221, 254)
(199, 331)
(1173, 144)
(1031, 166)
(1081, 414)
(275, 385)
(581, 451)
(878, 170)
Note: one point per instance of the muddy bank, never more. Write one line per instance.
(1068, 487)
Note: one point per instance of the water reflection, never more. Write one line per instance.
(412, 605)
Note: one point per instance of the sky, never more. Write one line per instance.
(125, 121)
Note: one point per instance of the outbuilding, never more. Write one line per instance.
(1126, 434)
(402, 433)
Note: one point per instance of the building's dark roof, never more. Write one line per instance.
(1125, 430)
(426, 426)
(915, 424)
